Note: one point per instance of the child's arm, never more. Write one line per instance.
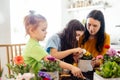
(74, 70)
(62, 54)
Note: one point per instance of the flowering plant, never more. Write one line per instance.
(18, 67)
(112, 55)
(51, 65)
(86, 55)
(44, 75)
(111, 65)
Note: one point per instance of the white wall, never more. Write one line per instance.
(4, 31)
(65, 15)
(5, 21)
(112, 16)
(50, 9)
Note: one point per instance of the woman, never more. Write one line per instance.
(64, 44)
(95, 36)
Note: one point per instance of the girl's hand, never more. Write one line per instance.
(76, 58)
(78, 54)
(77, 72)
(77, 50)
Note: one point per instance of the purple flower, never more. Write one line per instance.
(111, 52)
(50, 58)
(44, 74)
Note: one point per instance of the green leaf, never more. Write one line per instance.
(109, 69)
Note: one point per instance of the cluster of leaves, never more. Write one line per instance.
(115, 58)
(109, 70)
(16, 69)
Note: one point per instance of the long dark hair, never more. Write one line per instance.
(68, 37)
(100, 36)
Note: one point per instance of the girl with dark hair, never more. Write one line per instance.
(64, 44)
(95, 36)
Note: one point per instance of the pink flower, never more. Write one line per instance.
(99, 57)
(111, 52)
(50, 58)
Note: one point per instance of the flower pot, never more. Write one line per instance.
(54, 75)
(98, 77)
(85, 65)
(26, 76)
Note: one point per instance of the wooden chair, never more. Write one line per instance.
(12, 50)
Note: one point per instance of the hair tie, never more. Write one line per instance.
(32, 12)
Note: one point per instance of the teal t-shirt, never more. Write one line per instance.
(33, 54)
(53, 42)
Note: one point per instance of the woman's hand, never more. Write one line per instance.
(95, 62)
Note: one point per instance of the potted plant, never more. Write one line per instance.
(110, 69)
(50, 69)
(86, 60)
(19, 69)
